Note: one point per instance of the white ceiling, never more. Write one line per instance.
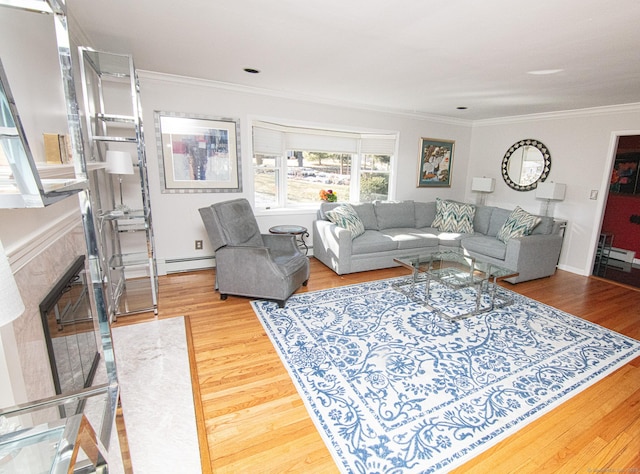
(423, 56)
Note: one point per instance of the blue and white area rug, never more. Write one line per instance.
(393, 387)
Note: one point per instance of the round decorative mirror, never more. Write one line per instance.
(525, 164)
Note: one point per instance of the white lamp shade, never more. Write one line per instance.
(11, 305)
(551, 190)
(119, 162)
(483, 185)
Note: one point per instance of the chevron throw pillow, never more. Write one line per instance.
(346, 217)
(454, 216)
(518, 224)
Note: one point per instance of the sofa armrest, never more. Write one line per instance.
(332, 246)
(534, 256)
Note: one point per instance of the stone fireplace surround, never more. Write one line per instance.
(37, 266)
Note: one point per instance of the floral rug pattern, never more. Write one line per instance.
(394, 387)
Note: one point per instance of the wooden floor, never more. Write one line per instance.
(253, 420)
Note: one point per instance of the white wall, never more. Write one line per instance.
(581, 146)
(176, 219)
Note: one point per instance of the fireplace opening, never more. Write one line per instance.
(70, 334)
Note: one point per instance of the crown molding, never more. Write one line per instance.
(562, 114)
(76, 34)
(192, 81)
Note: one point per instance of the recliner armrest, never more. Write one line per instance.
(281, 244)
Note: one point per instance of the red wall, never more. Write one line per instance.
(620, 208)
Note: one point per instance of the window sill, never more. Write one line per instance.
(288, 211)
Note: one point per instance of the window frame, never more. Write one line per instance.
(323, 134)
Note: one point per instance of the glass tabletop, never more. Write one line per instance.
(288, 229)
(455, 267)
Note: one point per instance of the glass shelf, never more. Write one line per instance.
(129, 260)
(117, 118)
(20, 182)
(36, 438)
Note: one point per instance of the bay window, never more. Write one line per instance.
(292, 165)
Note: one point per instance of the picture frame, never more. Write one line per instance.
(625, 176)
(198, 153)
(434, 164)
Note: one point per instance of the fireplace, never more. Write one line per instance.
(69, 332)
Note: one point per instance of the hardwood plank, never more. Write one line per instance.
(205, 459)
(256, 422)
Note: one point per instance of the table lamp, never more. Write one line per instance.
(550, 191)
(119, 162)
(483, 186)
(11, 304)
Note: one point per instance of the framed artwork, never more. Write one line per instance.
(198, 154)
(625, 177)
(434, 165)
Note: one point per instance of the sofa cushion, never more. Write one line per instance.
(395, 214)
(519, 223)
(372, 241)
(409, 238)
(425, 213)
(367, 215)
(484, 245)
(498, 217)
(326, 206)
(545, 227)
(346, 217)
(454, 216)
(482, 219)
(450, 239)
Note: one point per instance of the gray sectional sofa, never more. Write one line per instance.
(393, 229)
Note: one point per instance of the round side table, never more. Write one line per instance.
(296, 230)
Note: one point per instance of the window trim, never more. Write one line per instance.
(323, 135)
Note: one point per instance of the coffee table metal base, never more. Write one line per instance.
(455, 271)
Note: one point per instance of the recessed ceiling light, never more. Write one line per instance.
(544, 72)
(251, 70)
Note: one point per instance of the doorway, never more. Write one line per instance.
(619, 244)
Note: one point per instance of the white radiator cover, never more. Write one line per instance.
(622, 255)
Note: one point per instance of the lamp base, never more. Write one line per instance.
(545, 207)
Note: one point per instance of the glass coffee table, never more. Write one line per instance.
(456, 271)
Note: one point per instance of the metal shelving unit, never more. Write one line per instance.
(114, 122)
(21, 186)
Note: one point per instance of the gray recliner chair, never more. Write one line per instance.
(249, 263)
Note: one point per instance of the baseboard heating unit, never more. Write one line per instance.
(177, 265)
